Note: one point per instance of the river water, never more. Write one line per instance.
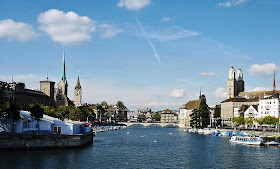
(157, 148)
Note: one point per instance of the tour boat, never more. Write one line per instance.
(246, 140)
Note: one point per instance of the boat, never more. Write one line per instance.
(246, 140)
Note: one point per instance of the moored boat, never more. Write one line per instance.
(246, 140)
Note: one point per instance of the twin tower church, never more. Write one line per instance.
(234, 85)
(60, 94)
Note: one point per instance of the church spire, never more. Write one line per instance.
(63, 73)
(274, 86)
(78, 85)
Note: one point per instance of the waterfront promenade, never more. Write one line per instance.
(146, 124)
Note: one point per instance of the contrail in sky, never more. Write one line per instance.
(151, 44)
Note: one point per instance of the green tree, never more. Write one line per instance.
(87, 114)
(37, 112)
(260, 121)
(242, 109)
(156, 117)
(142, 118)
(217, 112)
(249, 121)
(13, 112)
(74, 113)
(104, 104)
(270, 120)
(50, 111)
(204, 112)
(2, 99)
(121, 105)
(195, 118)
(238, 120)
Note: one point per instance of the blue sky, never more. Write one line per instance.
(147, 53)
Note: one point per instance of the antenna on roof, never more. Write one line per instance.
(47, 75)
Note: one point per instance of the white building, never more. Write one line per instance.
(251, 112)
(132, 116)
(269, 106)
(185, 112)
(46, 125)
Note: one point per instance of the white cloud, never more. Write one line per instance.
(149, 41)
(108, 31)
(263, 70)
(208, 74)
(221, 92)
(134, 4)
(181, 93)
(165, 19)
(172, 33)
(16, 31)
(231, 3)
(259, 89)
(66, 28)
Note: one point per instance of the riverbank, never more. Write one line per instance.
(46, 141)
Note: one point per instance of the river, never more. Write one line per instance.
(152, 147)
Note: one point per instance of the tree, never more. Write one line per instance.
(238, 120)
(156, 117)
(204, 112)
(13, 112)
(249, 121)
(74, 113)
(217, 112)
(37, 112)
(270, 120)
(142, 118)
(87, 114)
(195, 118)
(2, 99)
(104, 104)
(242, 109)
(121, 105)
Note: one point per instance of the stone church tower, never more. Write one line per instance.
(234, 87)
(62, 86)
(78, 93)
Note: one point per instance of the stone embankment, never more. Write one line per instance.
(48, 141)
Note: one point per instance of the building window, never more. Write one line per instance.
(57, 130)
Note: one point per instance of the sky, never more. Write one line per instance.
(146, 53)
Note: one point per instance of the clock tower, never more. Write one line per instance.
(78, 93)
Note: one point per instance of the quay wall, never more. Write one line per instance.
(48, 141)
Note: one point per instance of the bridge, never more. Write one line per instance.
(145, 124)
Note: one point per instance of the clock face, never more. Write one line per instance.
(77, 92)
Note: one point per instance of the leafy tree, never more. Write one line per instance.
(270, 120)
(74, 113)
(2, 99)
(249, 121)
(87, 113)
(260, 121)
(50, 111)
(121, 105)
(142, 118)
(104, 104)
(238, 120)
(37, 112)
(156, 117)
(13, 112)
(204, 112)
(195, 118)
(242, 109)
(217, 112)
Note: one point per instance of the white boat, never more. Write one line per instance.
(200, 131)
(246, 140)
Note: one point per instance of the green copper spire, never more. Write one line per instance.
(63, 73)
